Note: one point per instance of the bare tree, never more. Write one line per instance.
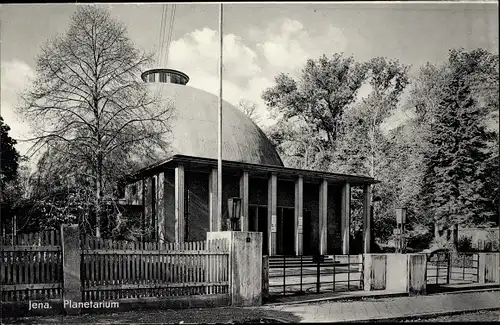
(249, 109)
(90, 107)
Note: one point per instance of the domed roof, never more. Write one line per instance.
(194, 127)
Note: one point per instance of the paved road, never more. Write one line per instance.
(367, 310)
(391, 307)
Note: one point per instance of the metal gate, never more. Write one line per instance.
(295, 275)
(444, 268)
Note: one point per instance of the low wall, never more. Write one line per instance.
(489, 267)
(417, 269)
(395, 272)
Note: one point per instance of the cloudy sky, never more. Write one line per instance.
(261, 40)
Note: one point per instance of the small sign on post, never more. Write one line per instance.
(273, 223)
(399, 231)
(401, 215)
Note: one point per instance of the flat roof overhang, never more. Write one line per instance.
(199, 164)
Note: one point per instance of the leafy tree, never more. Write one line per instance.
(9, 170)
(298, 144)
(249, 109)
(10, 157)
(455, 175)
(364, 149)
(428, 88)
(316, 102)
(89, 106)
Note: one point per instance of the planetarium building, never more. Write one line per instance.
(299, 212)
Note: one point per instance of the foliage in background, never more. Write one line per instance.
(9, 156)
(10, 188)
(457, 153)
(312, 107)
(441, 162)
(250, 110)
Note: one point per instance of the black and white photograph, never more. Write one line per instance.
(249, 162)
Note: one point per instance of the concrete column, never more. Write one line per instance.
(417, 269)
(345, 217)
(488, 267)
(397, 272)
(245, 266)
(143, 203)
(323, 210)
(244, 201)
(375, 272)
(160, 207)
(272, 190)
(148, 207)
(215, 223)
(299, 217)
(70, 245)
(265, 277)
(367, 219)
(179, 204)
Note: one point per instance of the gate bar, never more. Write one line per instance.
(449, 269)
(284, 274)
(334, 272)
(318, 276)
(348, 272)
(301, 273)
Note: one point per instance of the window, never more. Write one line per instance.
(163, 77)
(151, 77)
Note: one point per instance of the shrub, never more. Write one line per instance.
(420, 241)
(465, 244)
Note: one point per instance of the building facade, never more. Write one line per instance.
(299, 212)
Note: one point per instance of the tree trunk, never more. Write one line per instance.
(98, 197)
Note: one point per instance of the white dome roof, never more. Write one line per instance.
(195, 123)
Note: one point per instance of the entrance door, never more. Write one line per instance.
(306, 233)
(285, 231)
(258, 222)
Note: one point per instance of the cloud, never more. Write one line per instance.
(197, 54)
(250, 65)
(15, 77)
(286, 45)
(198, 51)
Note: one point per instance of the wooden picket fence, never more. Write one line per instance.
(113, 270)
(31, 266)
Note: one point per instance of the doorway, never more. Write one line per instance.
(285, 232)
(306, 233)
(257, 221)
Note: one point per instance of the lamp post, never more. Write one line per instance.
(372, 213)
(400, 221)
(234, 210)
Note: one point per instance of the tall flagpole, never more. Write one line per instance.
(219, 162)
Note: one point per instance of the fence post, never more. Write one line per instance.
(449, 269)
(70, 246)
(417, 269)
(318, 274)
(245, 266)
(265, 277)
(489, 268)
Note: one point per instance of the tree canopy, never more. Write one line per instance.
(9, 155)
(436, 161)
(89, 108)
